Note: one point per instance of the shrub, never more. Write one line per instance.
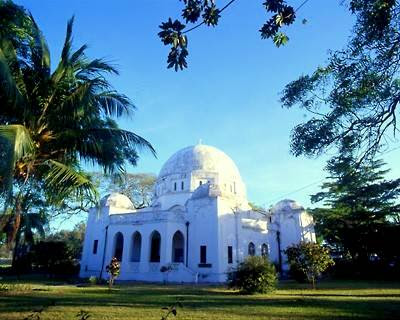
(54, 257)
(253, 275)
(310, 258)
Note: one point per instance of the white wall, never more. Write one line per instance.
(211, 223)
(203, 230)
(294, 225)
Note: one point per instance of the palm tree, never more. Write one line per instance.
(52, 121)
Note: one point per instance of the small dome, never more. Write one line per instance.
(200, 157)
(287, 205)
(117, 200)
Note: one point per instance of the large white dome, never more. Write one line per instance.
(193, 166)
(200, 157)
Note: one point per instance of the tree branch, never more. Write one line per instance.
(201, 23)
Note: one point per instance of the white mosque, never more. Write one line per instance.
(198, 227)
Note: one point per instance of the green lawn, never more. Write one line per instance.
(332, 299)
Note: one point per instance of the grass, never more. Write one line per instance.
(332, 300)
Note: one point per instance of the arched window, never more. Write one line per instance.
(178, 247)
(155, 245)
(136, 247)
(252, 249)
(118, 246)
(264, 250)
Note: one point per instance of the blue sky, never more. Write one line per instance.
(228, 97)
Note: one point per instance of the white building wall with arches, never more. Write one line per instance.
(200, 200)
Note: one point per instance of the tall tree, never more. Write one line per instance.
(360, 207)
(72, 238)
(33, 221)
(138, 187)
(51, 121)
(357, 93)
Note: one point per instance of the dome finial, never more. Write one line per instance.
(200, 142)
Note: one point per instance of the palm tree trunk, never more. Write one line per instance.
(15, 254)
(13, 236)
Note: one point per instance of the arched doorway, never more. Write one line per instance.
(264, 250)
(136, 247)
(118, 246)
(155, 246)
(252, 249)
(178, 244)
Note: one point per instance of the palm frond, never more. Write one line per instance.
(78, 103)
(40, 50)
(88, 99)
(68, 113)
(66, 51)
(9, 88)
(78, 55)
(106, 145)
(20, 145)
(67, 182)
(119, 137)
(94, 68)
(114, 104)
(19, 138)
(132, 139)
(63, 65)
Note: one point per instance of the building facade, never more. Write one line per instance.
(198, 227)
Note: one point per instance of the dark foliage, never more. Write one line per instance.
(361, 215)
(373, 20)
(171, 34)
(206, 12)
(254, 275)
(346, 268)
(72, 238)
(356, 95)
(297, 274)
(54, 258)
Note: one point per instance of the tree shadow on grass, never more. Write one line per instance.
(214, 300)
(340, 284)
(376, 295)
